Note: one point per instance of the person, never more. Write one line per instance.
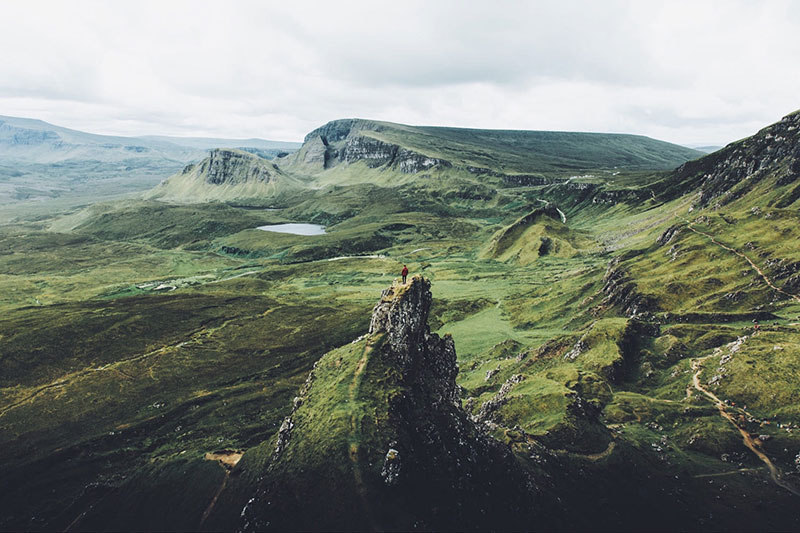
(404, 273)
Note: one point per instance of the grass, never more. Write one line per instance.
(113, 390)
(513, 151)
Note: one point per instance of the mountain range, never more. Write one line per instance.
(41, 162)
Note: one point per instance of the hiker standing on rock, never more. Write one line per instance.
(404, 273)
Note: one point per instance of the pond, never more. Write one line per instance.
(295, 228)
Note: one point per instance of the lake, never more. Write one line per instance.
(296, 229)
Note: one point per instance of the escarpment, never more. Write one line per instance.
(226, 174)
(232, 166)
(350, 141)
(378, 439)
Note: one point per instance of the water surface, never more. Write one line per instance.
(295, 228)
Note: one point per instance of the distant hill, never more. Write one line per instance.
(226, 174)
(706, 149)
(411, 149)
(36, 141)
(41, 161)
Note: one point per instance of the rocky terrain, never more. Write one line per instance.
(579, 346)
(396, 416)
(730, 173)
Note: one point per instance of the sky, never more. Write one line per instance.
(693, 73)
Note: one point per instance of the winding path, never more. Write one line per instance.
(747, 439)
(690, 225)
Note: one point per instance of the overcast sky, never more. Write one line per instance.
(687, 72)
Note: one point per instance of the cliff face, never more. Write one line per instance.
(378, 439)
(226, 174)
(348, 141)
(731, 172)
(427, 362)
(232, 166)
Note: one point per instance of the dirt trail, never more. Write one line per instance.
(227, 458)
(747, 439)
(743, 256)
(590, 456)
(213, 502)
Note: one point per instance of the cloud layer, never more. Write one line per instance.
(687, 72)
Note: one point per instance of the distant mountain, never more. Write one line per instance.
(40, 160)
(412, 149)
(352, 151)
(207, 143)
(40, 142)
(226, 174)
(706, 149)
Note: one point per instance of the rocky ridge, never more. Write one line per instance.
(233, 166)
(422, 462)
(348, 141)
(731, 172)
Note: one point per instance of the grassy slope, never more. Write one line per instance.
(153, 380)
(537, 151)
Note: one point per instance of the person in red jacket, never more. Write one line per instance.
(404, 273)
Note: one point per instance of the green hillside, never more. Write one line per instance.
(515, 151)
(617, 352)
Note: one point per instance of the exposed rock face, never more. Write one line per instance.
(374, 152)
(337, 130)
(315, 151)
(346, 141)
(669, 234)
(412, 457)
(232, 166)
(622, 291)
(427, 361)
(443, 450)
(729, 173)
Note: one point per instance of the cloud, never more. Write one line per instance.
(705, 72)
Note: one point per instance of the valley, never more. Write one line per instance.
(623, 313)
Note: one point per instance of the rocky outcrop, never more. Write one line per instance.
(376, 153)
(338, 130)
(378, 439)
(669, 234)
(346, 141)
(621, 291)
(427, 361)
(728, 174)
(224, 166)
(315, 151)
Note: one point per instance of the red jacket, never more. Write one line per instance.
(404, 272)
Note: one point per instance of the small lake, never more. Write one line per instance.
(296, 229)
